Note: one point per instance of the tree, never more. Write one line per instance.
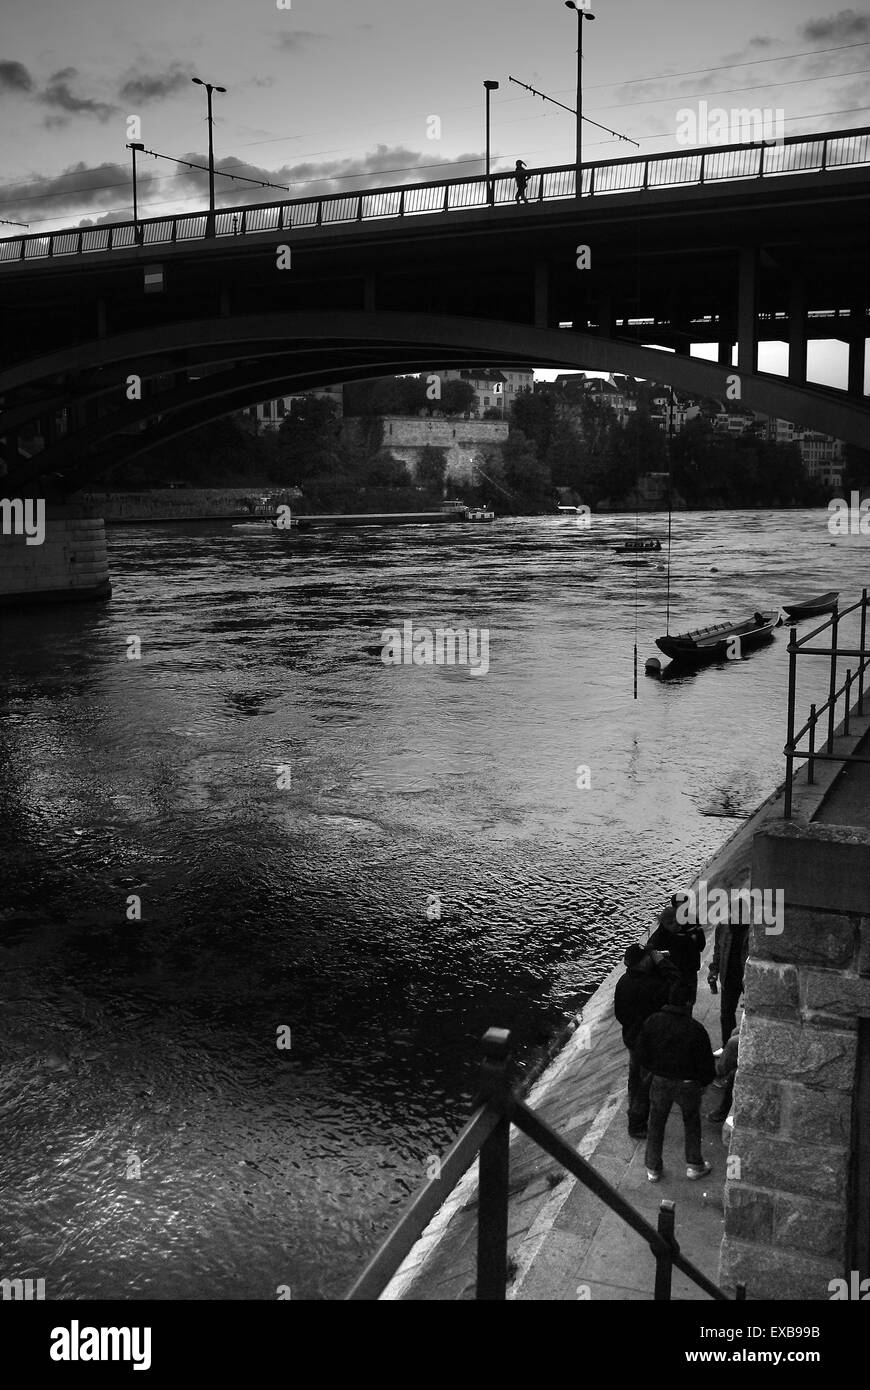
(526, 476)
(457, 398)
(535, 414)
(431, 468)
(385, 470)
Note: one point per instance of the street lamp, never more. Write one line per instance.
(135, 146)
(490, 191)
(582, 14)
(209, 88)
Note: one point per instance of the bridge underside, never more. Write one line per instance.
(200, 371)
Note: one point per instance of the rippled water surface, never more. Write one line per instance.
(150, 1046)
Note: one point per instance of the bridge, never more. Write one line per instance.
(738, 244)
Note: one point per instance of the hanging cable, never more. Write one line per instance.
(670, 510)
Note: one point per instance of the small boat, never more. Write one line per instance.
(478, 514)
(813, 607)
(637, 547)
(719, 640)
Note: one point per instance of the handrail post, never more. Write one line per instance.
(494, 1171)
(811, 762)
(863, 650)
(664, 1258)
(789, 747)
(832, 691)
(848, 694)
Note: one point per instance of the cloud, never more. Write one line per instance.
(59, 95)
(144, 87)
(66, 195)
(848, 24)
(14, 77)
(300, 38)
(83, 196)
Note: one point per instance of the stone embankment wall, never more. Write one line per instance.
(186, 503)
(70, 565)
(790, 1199)
(406, 436)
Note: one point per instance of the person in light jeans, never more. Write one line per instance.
(676, 1050)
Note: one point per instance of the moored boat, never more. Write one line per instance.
(719, 640)
(637, 547)
(813, 607)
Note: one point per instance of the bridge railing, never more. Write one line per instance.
(704, 165)
(855, 679)
(486, 1137)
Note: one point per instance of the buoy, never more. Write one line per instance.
(653, 666)
(714, 570)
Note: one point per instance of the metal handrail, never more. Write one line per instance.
(792, 749)
(487, 1134)
(796, 154)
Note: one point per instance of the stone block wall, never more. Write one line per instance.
(787, 1208)
(463, 440)
(70, 564)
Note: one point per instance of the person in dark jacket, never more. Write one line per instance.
(522, 179)
(725, 971)
(675, 1048)
(641, 991)
(726, 1070)
(683, 944)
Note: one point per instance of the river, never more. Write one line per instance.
(155, 1141)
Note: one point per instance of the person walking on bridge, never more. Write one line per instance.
(675, 1048)
(522, 179)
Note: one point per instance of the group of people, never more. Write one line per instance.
(670, 1057)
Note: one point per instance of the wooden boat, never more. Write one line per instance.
(637, 547)
(719, 640)
(813, 607)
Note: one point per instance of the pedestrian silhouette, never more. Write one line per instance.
(522, 179)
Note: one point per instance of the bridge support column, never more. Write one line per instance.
(51, 553)
(542, 294)
(747, 301)
(726, 352)
(857, 350)
(797, 329)
(606, 316)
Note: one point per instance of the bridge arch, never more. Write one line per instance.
(301, 350)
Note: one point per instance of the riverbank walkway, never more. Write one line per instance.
(564, 1243)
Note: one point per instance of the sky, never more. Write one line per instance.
(325, 95)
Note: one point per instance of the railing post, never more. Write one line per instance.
(494, 1171)
(863, 650)
(664, 1258)
(811, 762)
(832, 685)
(848, 694)
(789, 746)
(402, 203)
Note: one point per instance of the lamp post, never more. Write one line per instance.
(209, 88)
(582, 13)
(135, 146)
(490, 191)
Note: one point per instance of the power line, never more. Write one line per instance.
(240, 178)
(727, 91)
